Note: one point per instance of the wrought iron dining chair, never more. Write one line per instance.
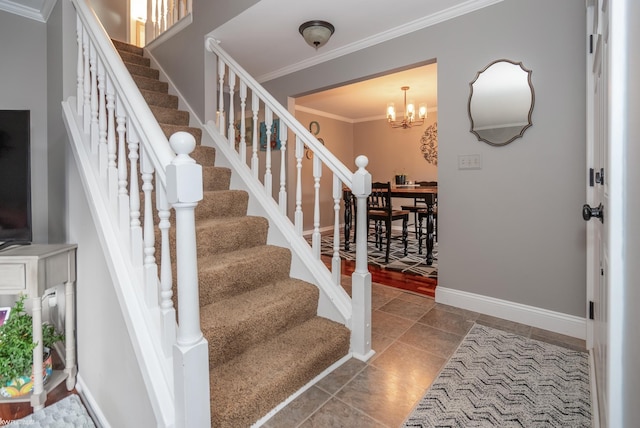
(380, 211)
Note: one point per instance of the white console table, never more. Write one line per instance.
(30, 270)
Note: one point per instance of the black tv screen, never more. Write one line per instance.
(15, 178)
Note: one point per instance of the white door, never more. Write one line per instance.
(613, 135)
(595, 211)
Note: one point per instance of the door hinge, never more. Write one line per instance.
(590, 43)
(591, 183)
(591, 305)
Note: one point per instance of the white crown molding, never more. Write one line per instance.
(410, 27)
(342, 118)
(21, 8)
(324, 114)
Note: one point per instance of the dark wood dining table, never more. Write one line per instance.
(415, 192)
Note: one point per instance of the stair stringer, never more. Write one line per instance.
(334, 303)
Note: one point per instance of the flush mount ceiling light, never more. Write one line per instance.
(316, 33)
(409, 118)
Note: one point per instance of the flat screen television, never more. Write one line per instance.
(15, 178)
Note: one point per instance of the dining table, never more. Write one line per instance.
(416, 192)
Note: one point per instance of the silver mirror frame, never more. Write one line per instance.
(524, 127)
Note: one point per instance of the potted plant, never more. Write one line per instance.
(16, 351)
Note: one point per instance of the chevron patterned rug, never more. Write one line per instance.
(502, 379)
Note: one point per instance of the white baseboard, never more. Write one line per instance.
(91, 404)
(557, 322)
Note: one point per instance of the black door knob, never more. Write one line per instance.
(588, 212)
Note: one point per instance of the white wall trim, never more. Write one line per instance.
(557, 322)
(91, 404)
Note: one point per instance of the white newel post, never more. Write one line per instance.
(361, 278)
(190, 353)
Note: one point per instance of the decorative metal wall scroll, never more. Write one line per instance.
(429, 144)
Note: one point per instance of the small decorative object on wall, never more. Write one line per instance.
(274, 141)
(314, 128)
(248, 132)
(429, 144)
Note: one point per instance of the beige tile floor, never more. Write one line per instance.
(413, 338)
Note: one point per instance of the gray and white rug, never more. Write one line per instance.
(66, 413)
(502, 379)
(413, 262)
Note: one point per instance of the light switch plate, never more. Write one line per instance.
(469, 162)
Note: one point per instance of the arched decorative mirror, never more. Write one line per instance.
(501, 102)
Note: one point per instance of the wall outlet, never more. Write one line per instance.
(469, 162)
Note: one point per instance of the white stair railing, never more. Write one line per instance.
(240, 99)
(124, 158)
(162, 15)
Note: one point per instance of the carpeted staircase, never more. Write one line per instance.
(265, 338)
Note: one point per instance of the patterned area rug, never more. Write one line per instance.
(66, 413)
(503, 379)
(411, 263)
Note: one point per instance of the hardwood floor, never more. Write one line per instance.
(415, 283)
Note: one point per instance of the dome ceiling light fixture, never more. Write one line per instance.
(409, 118)
(316, 33)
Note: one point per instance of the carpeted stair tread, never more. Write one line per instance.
(126, 47)
(133, 58)
(159, 99)
(141, 70)
(221, 235)
(215, 177)
(204, 155)
(233, 325)
(153, 85)
(170, 116)
(222, 203)
(224, 275)
(172, 129)
(249, 386)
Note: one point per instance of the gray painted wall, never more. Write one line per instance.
(511, 230)
(113, 16)
(182, 57)
(23, 86)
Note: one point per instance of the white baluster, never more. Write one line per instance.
(221, 72)
(156, 19)
(102, 112)
(315, 237)
(93, 68)
(79, 69)
(243, 126)
(117, 153)
(298, 216)
(104, 150)
(255, 163)
(86, 89)
(131, 201)
(282, 197)
(231, 133)
(163, 14)
(168, 313)
(361, 278)
(148, 235)
(268, 123)
(335, 261)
